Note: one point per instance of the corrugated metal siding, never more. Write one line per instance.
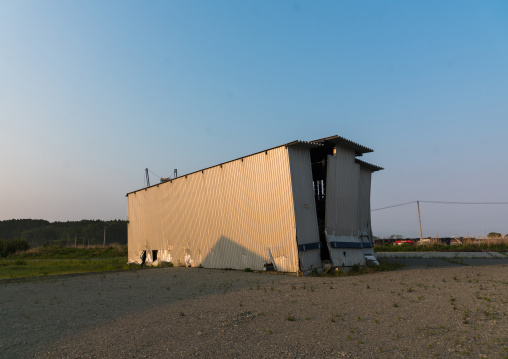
(224, 217)
(364, 201)
(364, 223)
(341, 219)
(307, 230)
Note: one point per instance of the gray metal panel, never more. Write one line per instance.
(341, 219)
(364, 222)
(364, 201)
(224, 217)
(307, 230)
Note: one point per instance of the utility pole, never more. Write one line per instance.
(104, 245)
(419, 220)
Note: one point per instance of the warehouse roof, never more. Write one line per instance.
(323, 142)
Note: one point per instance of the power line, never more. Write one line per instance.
(444, 202)
(439, 202)
(395, 205)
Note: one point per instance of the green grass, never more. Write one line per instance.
(80, 252)
(20, 267)
(495, 247)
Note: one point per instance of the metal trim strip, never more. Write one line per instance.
(354, 245)
(309, 246)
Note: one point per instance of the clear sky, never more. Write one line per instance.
(94, 92)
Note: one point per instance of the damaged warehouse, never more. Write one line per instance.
(298, 207)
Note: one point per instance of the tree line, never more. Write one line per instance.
(39, 232)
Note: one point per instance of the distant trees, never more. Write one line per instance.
(494, 235)
(40, 232)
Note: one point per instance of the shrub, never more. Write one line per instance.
(10, 246)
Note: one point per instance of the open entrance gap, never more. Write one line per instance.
(319, 168)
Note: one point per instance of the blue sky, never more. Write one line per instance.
(93, 92)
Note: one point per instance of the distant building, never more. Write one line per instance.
(298, 207)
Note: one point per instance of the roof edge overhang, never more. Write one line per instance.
(305, 144)
(370, 166)
(336, 139)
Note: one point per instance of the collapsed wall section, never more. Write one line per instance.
(307, 231)
(236, 215)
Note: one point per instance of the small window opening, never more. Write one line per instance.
(269, 266)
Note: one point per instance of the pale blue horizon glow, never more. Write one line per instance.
(94, 92)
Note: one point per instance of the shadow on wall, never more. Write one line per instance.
(229, 254)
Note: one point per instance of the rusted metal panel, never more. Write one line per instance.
(226, 216)
(341, 219)
(307, 231)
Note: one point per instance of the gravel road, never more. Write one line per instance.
(190, 312)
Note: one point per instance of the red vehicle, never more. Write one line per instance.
(400, 242)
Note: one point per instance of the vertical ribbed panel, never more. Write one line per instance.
(307, 230)
(364, 223)
(364, 201)
(341, 214)
(225, 217)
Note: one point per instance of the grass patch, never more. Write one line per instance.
(17, 268)
(79, 252)
(494, 245)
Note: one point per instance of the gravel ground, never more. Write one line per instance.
(186, 312)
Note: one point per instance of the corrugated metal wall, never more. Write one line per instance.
(224, 217)
(342, 208)
(364, 223)
(307, 230)
(364, 201)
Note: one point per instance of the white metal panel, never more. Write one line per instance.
(307, 230)
(224, 217)
(341, 215)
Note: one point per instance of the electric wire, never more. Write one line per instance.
(440, 202)
(395, 205)
(444, 202)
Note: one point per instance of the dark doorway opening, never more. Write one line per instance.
(154, 255)
(319, 167)
(143, 258)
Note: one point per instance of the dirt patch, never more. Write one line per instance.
(183, 312)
